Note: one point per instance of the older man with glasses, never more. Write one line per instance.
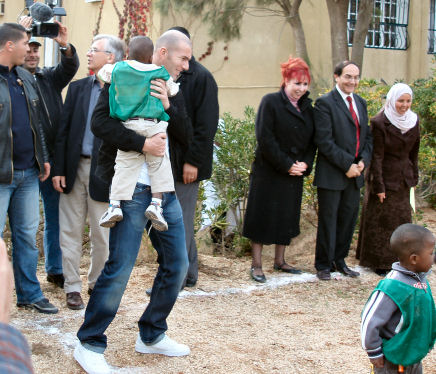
(82, 192)
(344, 145)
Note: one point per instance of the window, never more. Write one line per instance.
(388, 28)
(2, 8)
(432, 29)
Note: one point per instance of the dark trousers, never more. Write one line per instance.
(337, 216)
(187, 194)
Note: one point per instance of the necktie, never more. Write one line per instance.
(356, 122)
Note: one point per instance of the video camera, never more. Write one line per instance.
(41, 14)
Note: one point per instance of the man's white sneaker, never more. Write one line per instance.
(113, 215)
(154, 214)
(91, 362)
(166, 346)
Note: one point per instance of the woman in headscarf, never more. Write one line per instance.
(393, 171)
(284, 155)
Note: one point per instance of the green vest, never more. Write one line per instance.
(418, 333)
(129, 93)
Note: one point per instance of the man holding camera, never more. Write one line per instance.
(23, 156)
(50, 81)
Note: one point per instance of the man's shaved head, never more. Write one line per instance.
(171, 40)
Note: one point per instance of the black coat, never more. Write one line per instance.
(68, 145)
(201, 101)
(50, 83)
(284, 136)
(115, 136)
(335, 137)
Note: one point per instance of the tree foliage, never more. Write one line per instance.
(224, 17)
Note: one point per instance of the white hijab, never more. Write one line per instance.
(403, 122)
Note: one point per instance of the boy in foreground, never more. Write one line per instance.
(398, 326)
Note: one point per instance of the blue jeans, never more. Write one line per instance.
(20, 200)
(124, 241)
(52, 249)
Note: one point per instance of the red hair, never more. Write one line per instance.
(295, 68)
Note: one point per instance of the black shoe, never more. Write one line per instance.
(190, 284)
(57, 279)
(381, 272)
(324, 275)
(89, 291)
(257, 278)
(41, 306)
(287, 269)
(348, 272)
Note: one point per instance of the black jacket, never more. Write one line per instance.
(201, 100)
(33, 104)
(335, 136)
(284, 135)
(50, 83)
(68, 145)
(115, 136)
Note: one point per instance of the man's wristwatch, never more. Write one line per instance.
(64, 49)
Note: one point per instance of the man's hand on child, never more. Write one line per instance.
(155, 145)
(378, 362)
(159, 89)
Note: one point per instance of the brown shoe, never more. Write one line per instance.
(74, 301)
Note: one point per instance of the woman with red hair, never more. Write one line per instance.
(284, 154)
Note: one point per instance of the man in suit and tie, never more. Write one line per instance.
(82, 192)
(344, 145)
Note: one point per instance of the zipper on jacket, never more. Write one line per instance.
(34, 135)
(43, 101)
(12, 137)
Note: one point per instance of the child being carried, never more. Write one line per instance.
(131, 102)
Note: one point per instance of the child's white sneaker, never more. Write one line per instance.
(154, 214)
(166, 346)
(113, 215)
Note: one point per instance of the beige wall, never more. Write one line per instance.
(253, 68)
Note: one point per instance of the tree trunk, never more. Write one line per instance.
(364, 17)
(293, 18)
(338, 12)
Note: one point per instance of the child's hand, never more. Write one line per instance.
(378, 362)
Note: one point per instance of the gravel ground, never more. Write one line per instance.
(291, 324)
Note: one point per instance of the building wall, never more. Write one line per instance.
(253, 66)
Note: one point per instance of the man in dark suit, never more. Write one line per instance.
(75, 160)
(344, 145)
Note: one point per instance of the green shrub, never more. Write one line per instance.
(235, 142)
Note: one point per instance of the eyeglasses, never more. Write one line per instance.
(93, 50)
(352, 78)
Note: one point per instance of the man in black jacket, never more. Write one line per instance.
(193, 162)
(23, 155)
(50, 81)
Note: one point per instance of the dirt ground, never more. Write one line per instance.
(291, 324)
